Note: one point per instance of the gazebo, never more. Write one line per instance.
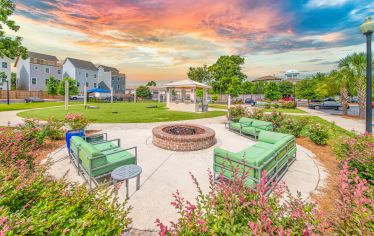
(181, 96)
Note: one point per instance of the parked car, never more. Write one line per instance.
(250, 101)
(353, 99)
(76, 97)
(327, 105)
(33, 99)
(288, 99)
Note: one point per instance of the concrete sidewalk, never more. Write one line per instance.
(345, 123)
(165, 171)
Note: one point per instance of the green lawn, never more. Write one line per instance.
(284, 110)
(25, 106)
(219, 106)
(121, 113)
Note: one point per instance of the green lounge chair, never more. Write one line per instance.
(249, 127)
(274, 153)
(98, 159)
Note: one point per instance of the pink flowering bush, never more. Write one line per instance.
(76, 121)
(318, 134)
(358, 151)
(354, 206)
(230, 208)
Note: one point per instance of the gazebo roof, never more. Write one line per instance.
(186, 84)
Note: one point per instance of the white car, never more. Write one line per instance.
(76, 97)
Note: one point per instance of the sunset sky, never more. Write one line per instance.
(160, 39)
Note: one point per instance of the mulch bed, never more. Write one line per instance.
(326, 196)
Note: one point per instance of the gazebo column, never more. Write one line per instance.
(205, 99)
(168, 97)
(194, 99)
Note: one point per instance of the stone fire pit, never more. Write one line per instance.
(183, 137)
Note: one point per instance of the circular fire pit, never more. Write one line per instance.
(183, 137)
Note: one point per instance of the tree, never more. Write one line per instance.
(341, 80)
(272, 91)
(286, 88)
(151, 83)
(199, 74)
(52, 85)
(73, 89)
(13, 81)
(356, 65)
(9, 47)
(226, 73)
(258, 87)
(306, 89)
(143, 92)
(246, 87)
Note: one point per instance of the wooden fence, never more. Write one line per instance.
(22, 94)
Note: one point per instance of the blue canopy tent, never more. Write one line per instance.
(99, 90)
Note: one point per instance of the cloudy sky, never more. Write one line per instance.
(160, 39)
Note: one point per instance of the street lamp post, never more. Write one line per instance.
(367, 28)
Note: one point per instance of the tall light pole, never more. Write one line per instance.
(367, 28)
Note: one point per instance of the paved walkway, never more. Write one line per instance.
(348, 124)
(164, 171)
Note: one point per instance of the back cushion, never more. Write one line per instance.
(261, 124)
(270, 137)
(246, 120)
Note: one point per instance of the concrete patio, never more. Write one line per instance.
(164, 171)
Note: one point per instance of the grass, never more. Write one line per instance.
(284, 110)
(121, 113)
(219, 106)
(26, 106)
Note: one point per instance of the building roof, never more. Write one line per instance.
(42, 56)
(186, 84)
(108, 68)
(81, 63)
(267, 78)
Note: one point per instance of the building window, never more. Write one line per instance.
(86, 75)
(87, 84)
(47, 70)
(94, 85)
(78, 84)
(46, 81)
(112, 79)
(35, 67)
(59, 72)
(118, 79)
(5, 64)
(118, 86)
(95, 76)
(33, 80)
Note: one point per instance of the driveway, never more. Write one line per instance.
(352, 111)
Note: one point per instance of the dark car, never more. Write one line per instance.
(33, 99)
(327, 105)
(250, 101)
(353, 100)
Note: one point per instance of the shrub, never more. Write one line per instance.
(76, 121)
(277, 118)
(236, 112)
(16, 145)
(34, 204)
(292, 126)
(358, 151)
(355, 209)
(215, 98)
(267, 105)
(275, 105)
(257, 114)
(33, 130)
(230, 208)
(53, 129)
(318, 134)
(288, 104)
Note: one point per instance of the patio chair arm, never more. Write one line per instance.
(108, 141)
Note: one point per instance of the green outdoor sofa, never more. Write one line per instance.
(273, 153)
(97, 158)
(249, 126)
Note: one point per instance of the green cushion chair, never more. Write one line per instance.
(237, 126)
(273, 153)
(99, 159)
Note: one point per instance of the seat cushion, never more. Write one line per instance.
(272, 137)
(264, 145)
(264, 125)
(105, 146)
(246, 120)
(250, 130)
(235, 126)
(120, 156)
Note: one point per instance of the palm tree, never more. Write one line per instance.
(341, 80)
(354, 65)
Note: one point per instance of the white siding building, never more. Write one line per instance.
(33, 72)
(84, 72)
(5, 66)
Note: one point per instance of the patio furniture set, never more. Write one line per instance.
(95, 157)
(273, 153)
